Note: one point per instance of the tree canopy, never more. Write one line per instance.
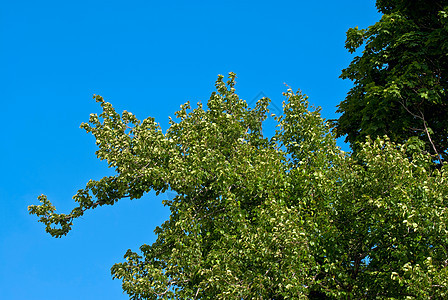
(284, 217)
(400, 80)
(292, 216)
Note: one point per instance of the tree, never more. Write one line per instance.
(400, 80)
(290, 216)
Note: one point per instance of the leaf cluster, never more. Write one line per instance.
(286, 217)
(400, 79)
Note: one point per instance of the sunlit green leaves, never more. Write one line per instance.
(286, 217)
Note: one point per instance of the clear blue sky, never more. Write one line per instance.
(147, 57)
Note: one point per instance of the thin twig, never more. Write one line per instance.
(422, 117)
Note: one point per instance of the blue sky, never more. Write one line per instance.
(147, 57)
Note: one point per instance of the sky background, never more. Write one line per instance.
(147, 57)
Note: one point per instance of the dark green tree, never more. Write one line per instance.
(285, 217)
(401, 78)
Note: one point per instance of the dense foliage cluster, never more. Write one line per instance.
(400, 80)
(291, 216)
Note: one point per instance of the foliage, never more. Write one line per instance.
(400, 80)
(286, 217)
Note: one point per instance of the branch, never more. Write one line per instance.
(422, 117)
(429, 137)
